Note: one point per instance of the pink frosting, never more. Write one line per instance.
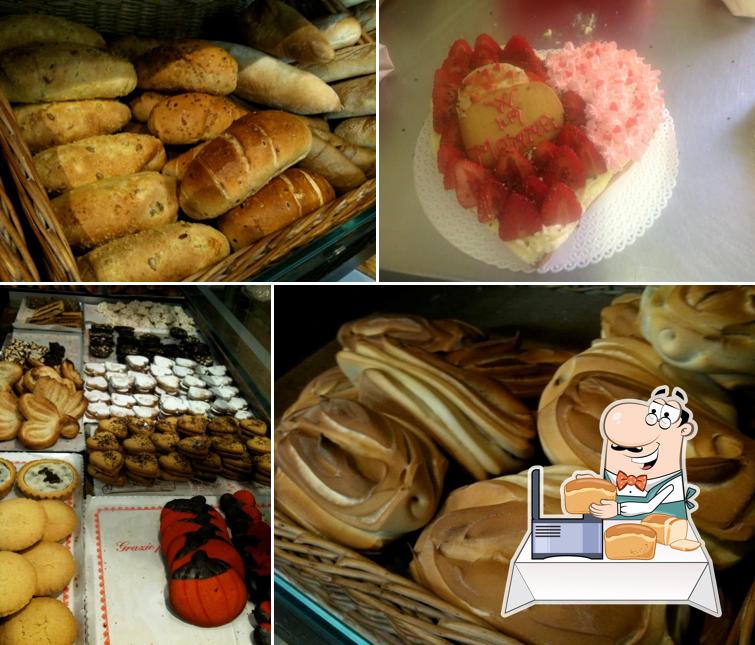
(622, 92)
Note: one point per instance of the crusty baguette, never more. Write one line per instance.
(97, 213)
(33, 28)
(95, 158)
(131, 47)
(192, 117)
(52, 124)
(357, 96)
(361, 131)
(362, 157)
(187, 66)
(141, 106)
(177, 166)
(165, 254)
(63, 73)
(340, 29)
(326, 160)
(252, 151)
(289, 196)
(348, 63)
(266, 80)
(280, 30)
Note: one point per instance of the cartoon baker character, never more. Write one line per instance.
(644, 444)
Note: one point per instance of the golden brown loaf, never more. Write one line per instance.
(285, 199)
(189, 118)
(326, 160)
(63, 73)
(464, 556)
(348, 63)
(358, 97)
(252, 151)
(52, 124)
(629, 542)
(578, 494)
(621, 317)
(166, 254)
(141, 106)
(177, 166)
(34, 28)
(720, 459)
(360, 131)
(340, 29)
(667, 528)
(709, 329)
(94, 158)
(97, 213)
(356, 477)
(187, 66)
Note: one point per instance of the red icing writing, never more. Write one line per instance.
(123, 547)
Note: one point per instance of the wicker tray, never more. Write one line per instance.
(54, 259)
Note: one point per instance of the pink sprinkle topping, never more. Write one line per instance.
(622, 92)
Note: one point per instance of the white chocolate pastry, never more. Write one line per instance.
(144, 412)
(138, 363)
(146, 400)
(199, 394)
(186, 362)
(115, 367)
(226, 392)
(182, 372)
(118, 411)
(199, 407)
(123, 400)
(169, 383)
(98, 410)
(120, 382)
(217, 381)
(173, 405)
(95, 383)
(93, 396)
(192, 381)
(220, 406)
(144, 382)
(163, 361)
(217, 370)
(94, 369)
(243, 414)
(237, 404)
(160, 370)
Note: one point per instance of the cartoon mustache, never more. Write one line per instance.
(620, 448)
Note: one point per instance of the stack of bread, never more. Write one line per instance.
(166, 185)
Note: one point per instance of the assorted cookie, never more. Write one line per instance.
(7, 477)
(47, 479)
(149, 315)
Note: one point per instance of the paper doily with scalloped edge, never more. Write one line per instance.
(617, 218)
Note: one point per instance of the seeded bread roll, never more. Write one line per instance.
(187, 66)
(34, 28)
(52, 124)
(177, 166)
(141, 106)
(97, 213)
(166, 254)
(580, 493)
(630, 542)
(63, 73)
(95, 158)
(189, 118)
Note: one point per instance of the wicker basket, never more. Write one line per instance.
(170, 18)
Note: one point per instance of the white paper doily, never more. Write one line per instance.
(623, 213)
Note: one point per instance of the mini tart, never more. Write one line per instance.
(47, 479)
(7, 477)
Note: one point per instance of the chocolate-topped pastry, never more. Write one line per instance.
(178, 333)
(100, 351)
(149, 338)
(124, 329)
(101, 328)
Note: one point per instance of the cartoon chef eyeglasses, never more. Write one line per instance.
(643, 455)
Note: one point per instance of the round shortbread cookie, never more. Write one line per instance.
(54, 566)
(17, 583)
(61, 520)
(22, 523)
(44, 621)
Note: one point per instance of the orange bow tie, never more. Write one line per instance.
(622, 479)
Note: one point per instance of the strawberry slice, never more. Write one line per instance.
(447, 154)
(491, 199)
(519, 218)
(459, 61)
(513, 168)
(486, 51)
(519, 52)
(542, 154)
(560, 206)
(444, 100)
(469, 178)
(566, 167)
(535, 189)
(576, 139)
(574, 108)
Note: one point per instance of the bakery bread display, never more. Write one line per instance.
(463, 556)
(630, 541)
(704, 329)
(668, 529)
(368, 479)
(580, 493)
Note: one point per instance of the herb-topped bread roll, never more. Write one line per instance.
(357, 477)
(464, 556)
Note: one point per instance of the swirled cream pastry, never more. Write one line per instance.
(357, 477)
(331, 383)
(464, 556)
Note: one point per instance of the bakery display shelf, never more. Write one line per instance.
(74, 595)
(25, 312)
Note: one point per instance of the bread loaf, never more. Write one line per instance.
(326, 160)
(266, 80)
(52, 124)
(177, 166)
(360, 131)
(357, 477)
(131, 47)
(62, 73)
(348, 63)
(289, 196)
(629, 542)
(463, 557)
(33, 28)
(97, 213)
(187, 66)
(277, 28)
(340, 29)
(166, 254)
(364, 12)
(252, 151)
(141, 106)
(580, 493)
(667, 528)
(685, 545)
(192, 117)
(357, 95)
(94, 158)
(363, 158)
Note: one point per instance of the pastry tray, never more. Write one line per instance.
(25, 312)
(71, 342)
(73, 595)
(93, 316)
(126, 578)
